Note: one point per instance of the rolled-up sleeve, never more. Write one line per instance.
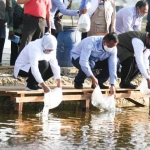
(112, 63)
(84, 59)
(54, 66)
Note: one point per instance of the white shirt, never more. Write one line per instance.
(29, 58)
(141, 57)
(127, 20)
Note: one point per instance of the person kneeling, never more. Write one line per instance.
(96, 52)
(38, 62)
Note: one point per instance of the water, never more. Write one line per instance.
(75, 130)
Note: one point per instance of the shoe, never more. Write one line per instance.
(78, 86)
(128, 85)
(102, 86)
(32, 87)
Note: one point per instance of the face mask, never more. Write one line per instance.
(107, 49)
(46, 52)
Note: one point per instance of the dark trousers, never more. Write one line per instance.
(45, 70)
(14, 51)
(2, 42)
(33, 28)
(129, 70)
(84, 35)
(100, 65)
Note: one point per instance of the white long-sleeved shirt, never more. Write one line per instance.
(59, 5)
(30, 57)
(90, 50)
(141, 57)
(127, 20)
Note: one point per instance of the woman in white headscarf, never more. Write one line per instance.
(38, 62)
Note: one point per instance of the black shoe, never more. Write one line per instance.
(128, 85)
(31, 87)
(78, 86)
(102, 86)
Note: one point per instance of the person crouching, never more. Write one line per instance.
(38, 62)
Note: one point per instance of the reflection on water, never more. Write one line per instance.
(70, 130)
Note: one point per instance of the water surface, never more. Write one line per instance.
(75, 130)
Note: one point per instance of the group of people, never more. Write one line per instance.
(114, 39)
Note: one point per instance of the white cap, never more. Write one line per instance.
(49, 41)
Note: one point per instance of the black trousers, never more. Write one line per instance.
(45, 70)
(2, 42)
(102, 76)
(33, 28)
(14, 51)
(129, 70)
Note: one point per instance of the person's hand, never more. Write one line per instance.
(148, 83)
(59, 84)
(148, 72)
(46, 89)
(11, 35)
(94, 81)
(112, 91)
(49, 29)
(83, 11)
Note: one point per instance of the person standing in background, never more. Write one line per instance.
(17, 25)
(130, 18)
(2, 42)
(36, 14)
(102, 14)
(5, 6)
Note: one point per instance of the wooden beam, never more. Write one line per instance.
(40, 98)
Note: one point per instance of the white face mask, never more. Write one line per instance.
(107, 49)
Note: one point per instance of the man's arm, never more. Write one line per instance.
(138, 46)
(48, 18)
(84, 61)
(84, 5)
(127, 21)
(62, 8)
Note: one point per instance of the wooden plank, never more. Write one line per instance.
(40, 98)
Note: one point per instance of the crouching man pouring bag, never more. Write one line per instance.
(38, 62)
(96, 52)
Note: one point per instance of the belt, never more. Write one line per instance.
(34, 16)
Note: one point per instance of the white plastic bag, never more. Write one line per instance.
(84, 23)
(144, 87)
(107, 103)
(52, 100)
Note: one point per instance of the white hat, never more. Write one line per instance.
(49, 41)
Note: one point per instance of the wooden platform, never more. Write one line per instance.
(19, 96)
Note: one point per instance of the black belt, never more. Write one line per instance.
(34, 16)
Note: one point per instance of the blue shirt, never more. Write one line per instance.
(90, 50)
(84, 4)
